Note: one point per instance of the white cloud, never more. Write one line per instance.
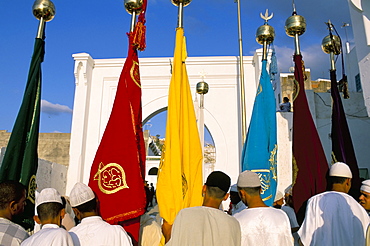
(284, 57)
(54, 109)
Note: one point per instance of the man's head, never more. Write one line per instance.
(12, 199)
(365, 195)
(234, 195)
(279, 200)
(215, 189)
(285, 99)
(249, 186)
(83, 200)
(340, 176)
(49, 206)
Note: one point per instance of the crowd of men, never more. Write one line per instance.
(332, 217)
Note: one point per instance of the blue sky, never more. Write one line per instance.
(99, 28)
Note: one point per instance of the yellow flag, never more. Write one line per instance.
(180, 172)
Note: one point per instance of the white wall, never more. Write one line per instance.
(360, 16)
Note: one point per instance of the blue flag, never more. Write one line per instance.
(260, 148)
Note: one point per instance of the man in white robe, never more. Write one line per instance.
(93, 230)
(334, 218)
(207, 225)
(150, 231)
(261, 225)
(236, 204)
(50, 212)
(364, 198)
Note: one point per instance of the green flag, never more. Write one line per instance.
(20, 159)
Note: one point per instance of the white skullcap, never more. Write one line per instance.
(365, 186)
(234, 188)
(248, 179)
(278, 196)
(340, 169)
(80, 194)
(48, 195)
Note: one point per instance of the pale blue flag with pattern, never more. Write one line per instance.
(260, 147)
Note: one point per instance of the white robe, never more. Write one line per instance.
(264, 226)
(334, 219)
(204, 226)
(150, 231)
(94, 230)
(51, 235)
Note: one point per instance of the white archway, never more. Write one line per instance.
(96, 83)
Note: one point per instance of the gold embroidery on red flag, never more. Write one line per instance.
(134, 73)
(111, 178)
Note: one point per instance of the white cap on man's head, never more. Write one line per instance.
(48, 195)
(279, 195)
(248, 179)
(80, 194)
(340, 169)
(365, 186)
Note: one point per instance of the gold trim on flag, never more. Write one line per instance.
(134, 73)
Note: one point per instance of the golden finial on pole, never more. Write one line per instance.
(265, 34)
(295, 26)
(181, 4)
(331, 45)
(43, 10)
(133, 7)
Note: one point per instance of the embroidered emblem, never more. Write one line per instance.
(134, 73)
(264, 175)
(184, 185)
(273, 163)
(32, 186)
(111, 178)
(296, 89)
(259, 89)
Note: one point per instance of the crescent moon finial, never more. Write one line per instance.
(266, 17)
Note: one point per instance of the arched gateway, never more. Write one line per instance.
(96, 82)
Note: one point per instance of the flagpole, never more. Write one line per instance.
(295, 26)
(43, 10)
(241, 75)
(202, 89)
(181, 4)
(331, 45)
(133, 7)
(265, 34)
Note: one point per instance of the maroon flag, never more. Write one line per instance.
(308, 154)
(117, 173)
(342, 147)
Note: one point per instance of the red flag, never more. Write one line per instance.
(342, 147)
(117, 173)
(308, 153)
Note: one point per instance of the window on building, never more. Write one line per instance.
(358, 83)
